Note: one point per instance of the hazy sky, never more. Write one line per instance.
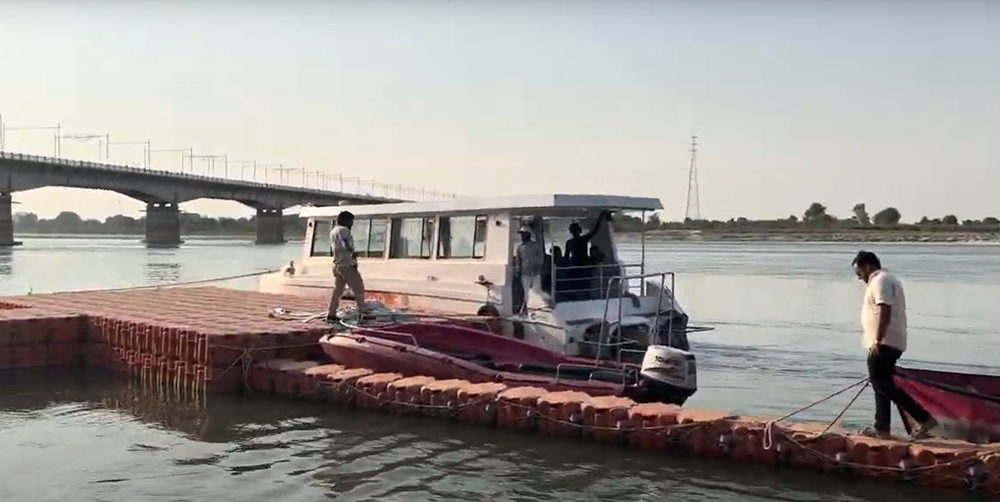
(793, 101)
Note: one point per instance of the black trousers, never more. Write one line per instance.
(881, 373)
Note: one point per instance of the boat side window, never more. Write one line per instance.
(360, 231)
(462, 237)
(321, 238)
(412, 238)
(376, 238)
(369, 237)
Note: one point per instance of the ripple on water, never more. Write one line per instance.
(351, 456)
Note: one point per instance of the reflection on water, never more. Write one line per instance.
(6, 261)
(141, 440)
(162, 266)
(163, 272)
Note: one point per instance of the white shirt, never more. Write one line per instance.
(884, 289)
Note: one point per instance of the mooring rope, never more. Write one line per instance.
(176, 284)
(768, 439)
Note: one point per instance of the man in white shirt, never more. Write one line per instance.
(883, 323)
(345, 266)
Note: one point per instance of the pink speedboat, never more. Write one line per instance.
(966, 404)
(456, 349)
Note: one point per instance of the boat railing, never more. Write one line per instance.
(391, 333)
(614, 345)
(594, 282)
(383, 324)
(594, 368)
(605, 331)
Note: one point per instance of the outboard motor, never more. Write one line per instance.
(670, 375)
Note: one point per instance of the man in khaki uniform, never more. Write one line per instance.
(345, 266)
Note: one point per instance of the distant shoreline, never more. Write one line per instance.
(824, 235)
(220, 237)
(121, 235)
(687, 235)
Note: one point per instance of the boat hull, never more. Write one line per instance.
(966, 405)
(447, 351)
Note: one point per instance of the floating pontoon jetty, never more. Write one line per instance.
(224, 340)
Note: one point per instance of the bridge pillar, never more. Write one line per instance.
(7, 222)
(270, 227)
(163, 224)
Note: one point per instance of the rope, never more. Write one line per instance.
(845, 463)
(768, 434)
(513, 404)
(177, 284)
(841, 414)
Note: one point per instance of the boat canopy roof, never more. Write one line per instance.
(545, 204)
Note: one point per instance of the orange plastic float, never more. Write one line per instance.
(223, 340)
(477, 402)
(314, 382)
(440, 397)
(404, 395)
(371, 392)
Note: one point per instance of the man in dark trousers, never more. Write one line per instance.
(883, 322)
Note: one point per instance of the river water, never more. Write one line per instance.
(786, 335)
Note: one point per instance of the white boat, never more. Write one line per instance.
(456, 257)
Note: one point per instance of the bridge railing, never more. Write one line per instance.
(363, 188)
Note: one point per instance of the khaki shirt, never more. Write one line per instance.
(531, 257)
(342, 243)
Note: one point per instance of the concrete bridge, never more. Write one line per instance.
(164, 191)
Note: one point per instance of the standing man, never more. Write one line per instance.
(883, 322)
(528, 260)
(345, 266)
(577, 257)
(576, 246)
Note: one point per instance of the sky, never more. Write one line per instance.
(886, 103)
